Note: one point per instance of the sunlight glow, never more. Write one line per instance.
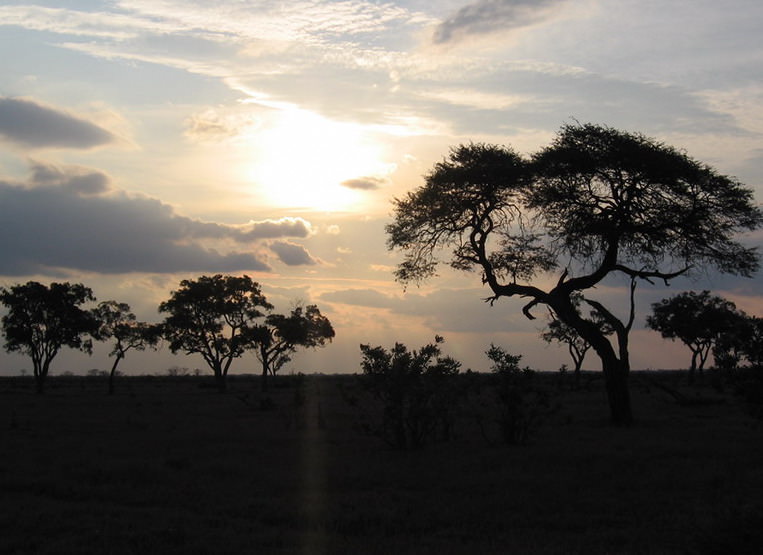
(302, 159)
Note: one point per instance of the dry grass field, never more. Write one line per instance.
(169, 466)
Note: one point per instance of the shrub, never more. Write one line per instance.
(522, 404)
(414, 390)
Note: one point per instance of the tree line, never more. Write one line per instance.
(548, 228)
(218, 317)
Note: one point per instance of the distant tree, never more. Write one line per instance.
(578, 347)
(698, 320)
(597, 202)
(728, 348)
(753, 347)
(115, 321)
(41, 320)
(214, 316)
(282, 335)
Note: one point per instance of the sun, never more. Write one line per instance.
(301, 159)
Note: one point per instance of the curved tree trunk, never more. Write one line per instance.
(616, 369)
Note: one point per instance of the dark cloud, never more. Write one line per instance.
(82, 181)
(488, 16)
(61, 220)
(270, 229)
(364, 183)
(30, 124)
(292, 254)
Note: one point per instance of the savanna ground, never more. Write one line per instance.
(167, 465)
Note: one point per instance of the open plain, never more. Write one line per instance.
(169, 465)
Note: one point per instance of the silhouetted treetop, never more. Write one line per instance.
(476, 191)
(214, 316)
(41, 320)
(630, 202)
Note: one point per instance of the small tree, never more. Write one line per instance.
(411, 386)
(577, 346)
(115, 321)
(214, 316)
(41, 320)
(281, 335)
(698, 320)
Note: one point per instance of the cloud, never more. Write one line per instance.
(292, 254)
(270, 229)
(210, 125)
(65, 219)
(75, 179)
(30, 124)
(488, 16)
(364, 183)
(443, 310)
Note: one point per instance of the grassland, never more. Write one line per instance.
(170, 466)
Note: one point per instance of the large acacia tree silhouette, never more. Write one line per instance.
(596, 202)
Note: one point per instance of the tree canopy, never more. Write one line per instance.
(214, 316)
(116, 321)
(698, 320)
(596, 202)
(41, 320)
(282, 334)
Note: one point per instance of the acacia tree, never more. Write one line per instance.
(596, 202)
(698, 320)
(214, 316)
(41, 320)
(117, 322)
(281, 335)
(577, 346)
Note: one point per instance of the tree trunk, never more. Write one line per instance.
(39, 383)
(578, 366)
(693, 366)
(40, 373)
(618, 394)
(113, 373)
(220, 380)
(264, 381)
(615, 369)
(265, 359)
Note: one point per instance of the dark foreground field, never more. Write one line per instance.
(167, 466)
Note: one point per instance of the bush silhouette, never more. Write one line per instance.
(415, 390)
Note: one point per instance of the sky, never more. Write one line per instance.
(143, 142)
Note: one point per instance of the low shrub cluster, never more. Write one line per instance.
(410, 398)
